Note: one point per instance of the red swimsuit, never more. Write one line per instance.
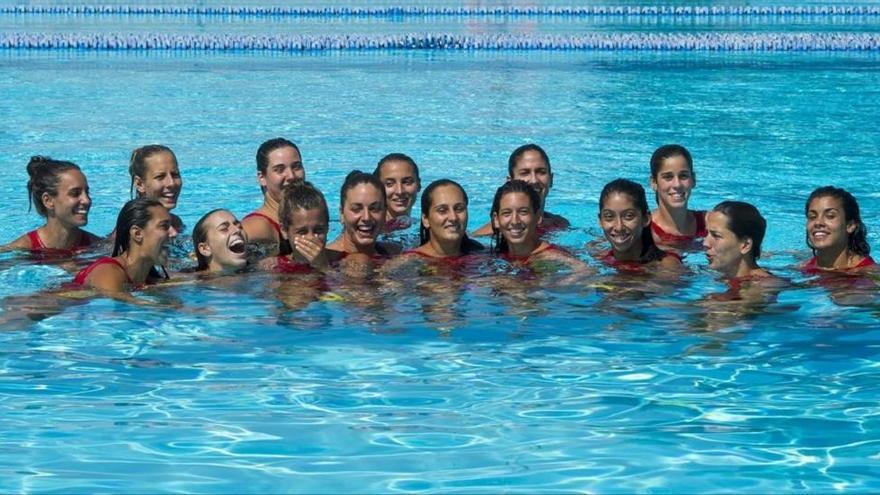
(81, 277)
(675, 239)
(37, 246)
(812, 266)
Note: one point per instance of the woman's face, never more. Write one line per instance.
(531, 168)
(674, 182)
(401, 186)
(827, 226)
(284, 165)
(161, 179)
(363, 215)
(724, 250)
(310, 224)
(225, 242)
(516, 219)
(71, 205)
(158, 234)
(448, 217)
(622, 223)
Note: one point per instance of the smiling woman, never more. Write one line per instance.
(220, 243)
(835, 232)
(155, 174)
(58, 190)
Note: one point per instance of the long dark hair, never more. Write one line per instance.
(468, 245)
(744, 220)
(137, 166)
(200, 235)
(650, 251)
(519, 152)
(857, 242)
(136, 212)
(44, 174)
(513, 186)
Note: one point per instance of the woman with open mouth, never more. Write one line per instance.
(836, 233)
(58, 190)
(144, 230)
(516, 215)
(673, 225)
(220, 243)
(362, 212)
(626, 222)
(156, 175)
(733, 243)
(279, 163)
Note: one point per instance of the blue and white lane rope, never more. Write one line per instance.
(573, 11)
(709, 41)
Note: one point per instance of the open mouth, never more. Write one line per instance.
(237, 245)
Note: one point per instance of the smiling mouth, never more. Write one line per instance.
(237, 245)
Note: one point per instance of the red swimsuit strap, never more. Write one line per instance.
(275, 225)
(81, 277)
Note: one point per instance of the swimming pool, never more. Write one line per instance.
(496, 384)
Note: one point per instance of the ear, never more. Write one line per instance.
(745, 246)
(283, 234)
(653, 183)
(204, 249)
(136, 234)
(851, 227)
(261, 178)
(425, 223)
(139, 185)
(550, 182)
(495, 224)
(646, 220)
(540, 216)
(48, 201)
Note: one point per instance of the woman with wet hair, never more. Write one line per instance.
(673, 225)
(399, 175)
(444, 219)
(279, 163)
(155, 175)
(626, 222)
(835, 232)
(144, 230)
(362, 212)
(733, 243)
(220, 243)
(59, 191)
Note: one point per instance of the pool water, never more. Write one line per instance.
(493, 382)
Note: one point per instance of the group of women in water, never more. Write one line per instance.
(291, 226)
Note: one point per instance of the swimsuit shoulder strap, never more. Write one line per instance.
(275, 225)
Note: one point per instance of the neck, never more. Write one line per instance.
(835, 257)
(673, 216)
(524, 248)
(634, 253)
(390, 215)
(744, 269)
(270, 206)
(349, 246)
(58, 235)
(443, 249)
(137, 266)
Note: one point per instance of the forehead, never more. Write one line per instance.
(71, 178)
(715, 220)
(447, 194)
(158, 214)
(674, 164)
(285, 154)
(396, 168)
(530, 159)
(219, 217)
(161, 161)
(515, 200)
(826, 203)
(312, 216)
(363, 193)
(618, 201)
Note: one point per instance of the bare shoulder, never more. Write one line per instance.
(23, 242)
(107, 277)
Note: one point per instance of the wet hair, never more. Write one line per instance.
(137, 165)
(744, 220)
(200, 235)
(44, 175)
(396, 157)
(510, 187)
(650, 252)
(301, 195)
(268, 147)
(468, 245)
(136, 212)
(857, 242)
(356, 178)
(669, 151)
(519, 152)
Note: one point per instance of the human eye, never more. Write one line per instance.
(629, 215)
(297, 166)
(442, 209)
(460, 208)
(389, 182)
(160, 176)
(302, 231)
(278, 169)
(375, 207)
(409, 181)
(320, 230)
(685, 175)
(667, 176)
(356, 207)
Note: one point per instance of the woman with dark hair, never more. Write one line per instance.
(733, 244)
(278, 164)
(835, 232)
(362, 212)
(673, 225)
(399, 175)
(59, 192)
(444, 218)
(626, 222)
(143, 231)
(220, 243)
(155, 175)
(516, 214)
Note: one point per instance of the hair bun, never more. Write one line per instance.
(36, 163)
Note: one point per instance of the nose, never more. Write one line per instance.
(706, 242)
(86, 199)
(172, 232)
(397, 188)
(618, 223)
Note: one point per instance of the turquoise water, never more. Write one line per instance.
(494, 383)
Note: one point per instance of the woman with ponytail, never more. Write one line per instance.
(58, 190)
(626, 222)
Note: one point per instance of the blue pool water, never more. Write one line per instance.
(427, 384)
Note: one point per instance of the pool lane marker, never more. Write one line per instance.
(710, 41)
